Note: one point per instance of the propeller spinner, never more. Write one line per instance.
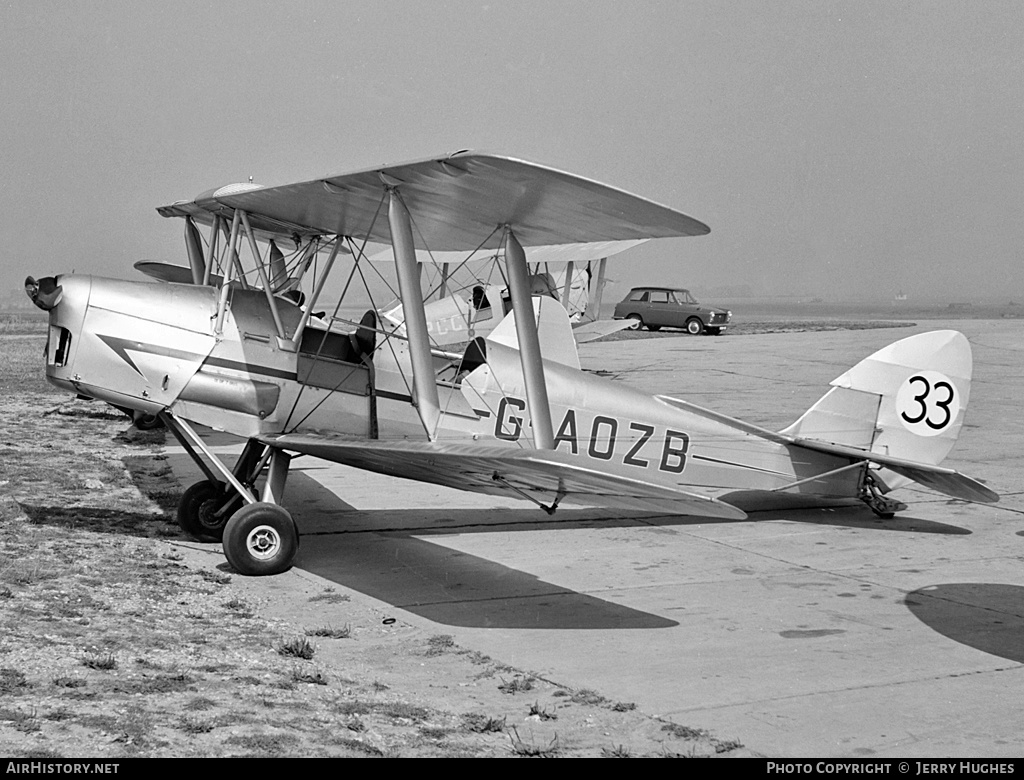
(45, 293)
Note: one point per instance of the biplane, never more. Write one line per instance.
(239, 345)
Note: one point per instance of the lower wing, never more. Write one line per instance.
(545, 477)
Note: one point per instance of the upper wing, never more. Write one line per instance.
(546, 475)
(456, 202)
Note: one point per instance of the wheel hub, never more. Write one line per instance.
(263, 542)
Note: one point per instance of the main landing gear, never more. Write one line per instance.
(258, 535)
(871, 494)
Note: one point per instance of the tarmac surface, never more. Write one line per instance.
(799, 633)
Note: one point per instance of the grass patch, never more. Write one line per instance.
(587, 696)
(536, 711)
(216, 577)
(12, 682)
(193, 725)
(685, 732)
(724, 746)
(331, 597)
(529, 748)
(618, 751)
(263, 744)
(483, 724)
(309, 676)
(103, 663)
(330, 632)
(440, 643)
(298, 647)
(518, 684)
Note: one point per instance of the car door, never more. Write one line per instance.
(661, 308)
(686, 306)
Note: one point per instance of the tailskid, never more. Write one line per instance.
(871, 494)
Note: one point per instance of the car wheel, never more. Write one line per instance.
(636, 320)
(715, 331)
(694, 326)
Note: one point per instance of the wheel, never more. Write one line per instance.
(197, 508)
(694, 326)
(261, 539)
(715, 331)
(654, 328)
(636, 320)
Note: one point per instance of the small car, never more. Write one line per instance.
(655, 308)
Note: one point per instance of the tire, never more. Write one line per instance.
(636, 320)
(694, 326)
(196, 511)
(261, 539)
(714, 331)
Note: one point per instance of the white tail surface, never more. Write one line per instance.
(553, 330)
(907, 400)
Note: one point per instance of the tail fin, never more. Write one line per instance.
(905, 401)
(553, 330)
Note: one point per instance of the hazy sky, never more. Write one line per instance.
(835, 148)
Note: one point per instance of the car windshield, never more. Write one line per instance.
(683, 296)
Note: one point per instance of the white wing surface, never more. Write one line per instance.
(456, 202)
(546, 476)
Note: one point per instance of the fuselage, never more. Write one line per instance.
(155, 346)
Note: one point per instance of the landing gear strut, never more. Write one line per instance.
(206, 506)
(259, 536)
(871, 494)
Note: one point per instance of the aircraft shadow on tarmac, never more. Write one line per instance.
(859, 517)
(986, 616)
(384, 554)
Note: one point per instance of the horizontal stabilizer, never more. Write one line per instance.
(945, 480)
(168, 272)
(592, 331)
(543, 475)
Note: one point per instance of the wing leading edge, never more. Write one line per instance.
(543, 476)
(455, 201)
